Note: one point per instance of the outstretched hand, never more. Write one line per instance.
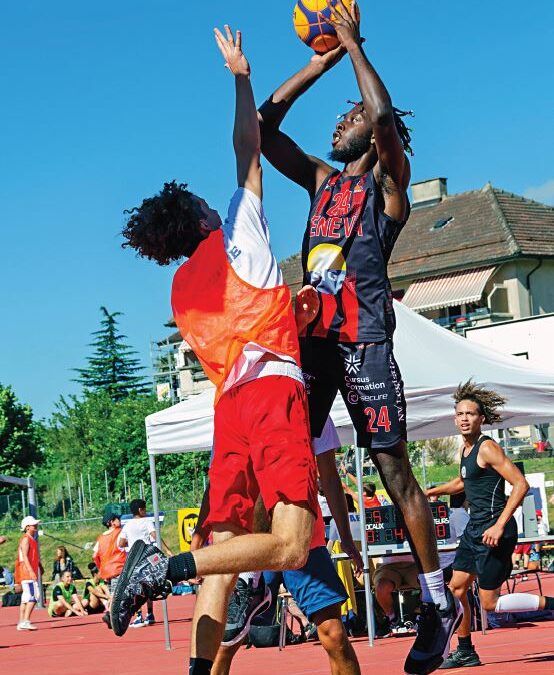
(345, 22)
(231, 50)
(330, 58)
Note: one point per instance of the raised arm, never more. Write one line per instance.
(280, 149)
(375, 97)
(246, 133)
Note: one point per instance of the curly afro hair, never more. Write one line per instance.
(488, 401)
(166, 227)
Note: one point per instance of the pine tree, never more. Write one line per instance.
(113, 367)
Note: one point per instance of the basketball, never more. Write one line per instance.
(311, 28)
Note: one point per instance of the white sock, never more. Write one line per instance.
(254, 576)
(517, 602)
(432, 588)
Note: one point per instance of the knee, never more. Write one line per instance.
(489, 604)
(384, 589)
(333, 637)
(294, 555)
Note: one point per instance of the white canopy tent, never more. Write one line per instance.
(433, 361)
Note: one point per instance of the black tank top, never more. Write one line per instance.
(484, 488)
(345, 252)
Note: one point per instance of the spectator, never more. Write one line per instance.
(27, 567)
(64, 562)
(96, 596)
(109, 558)
(64, 599)
(140, 528)
(394, 572)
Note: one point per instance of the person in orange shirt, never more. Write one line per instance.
(109, 558)
(27, 566)
(233, 308)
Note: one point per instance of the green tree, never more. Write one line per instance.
(441, 451)
(96, 434)
(113, 367)
(19, 436)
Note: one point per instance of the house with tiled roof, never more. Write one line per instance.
(471, 258)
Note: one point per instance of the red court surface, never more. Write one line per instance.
(86, 647)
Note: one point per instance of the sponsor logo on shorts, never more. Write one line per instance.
(359, 385)
(352, 363)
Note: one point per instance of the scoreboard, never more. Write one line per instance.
(384, 524)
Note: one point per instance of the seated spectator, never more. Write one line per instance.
(64, 599)
(96, 595)
(394, 572)
(64, 562)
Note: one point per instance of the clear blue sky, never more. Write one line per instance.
(104, 101)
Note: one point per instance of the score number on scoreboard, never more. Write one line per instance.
(384, 524)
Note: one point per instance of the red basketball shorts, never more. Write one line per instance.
(262, 445)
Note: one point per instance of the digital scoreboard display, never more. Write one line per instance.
(384, 524)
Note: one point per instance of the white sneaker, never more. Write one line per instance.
(26, 625)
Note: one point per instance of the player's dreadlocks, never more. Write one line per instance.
(403, 130)
(487, 400)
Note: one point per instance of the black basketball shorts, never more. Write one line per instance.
(491, 565)
(368, 377)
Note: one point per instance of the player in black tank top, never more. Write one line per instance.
(355, 218)
(486, 546)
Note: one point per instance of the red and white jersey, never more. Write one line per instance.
(248, 247)
(231, 305)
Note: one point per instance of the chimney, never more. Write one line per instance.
(428, 192)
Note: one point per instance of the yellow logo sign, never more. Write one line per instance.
(186, 522)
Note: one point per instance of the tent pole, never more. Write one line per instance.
(365, 557)
(156, 507)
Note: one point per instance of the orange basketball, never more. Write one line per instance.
(312, 29)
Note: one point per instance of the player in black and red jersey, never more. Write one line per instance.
(355, 218)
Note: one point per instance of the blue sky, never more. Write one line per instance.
(104, 101)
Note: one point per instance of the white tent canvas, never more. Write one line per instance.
(433, 361)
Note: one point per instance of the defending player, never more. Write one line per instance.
(231, 306)
(487, 544)
(355, 218)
